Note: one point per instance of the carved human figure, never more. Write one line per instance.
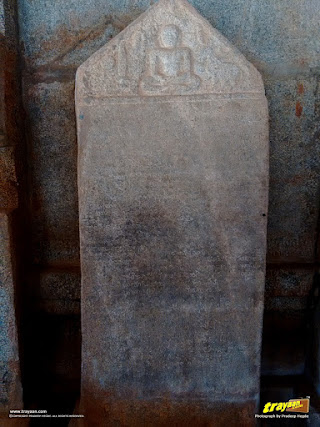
(170, 66)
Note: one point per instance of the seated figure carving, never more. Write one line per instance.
(170, 66)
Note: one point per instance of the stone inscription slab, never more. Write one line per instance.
(173, 180)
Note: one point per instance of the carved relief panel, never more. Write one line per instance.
(184, 56)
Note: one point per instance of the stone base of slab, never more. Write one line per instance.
(164, 413)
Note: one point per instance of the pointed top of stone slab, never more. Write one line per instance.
(169, 50)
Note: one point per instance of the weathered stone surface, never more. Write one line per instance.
(2, 26)
(10, 386)
(315, 372)
(2, 92)
(8, 184)
(173, 179)
(294, 107)
(55, 233)
(283, 282)
(56, 291)
(8, 180)
(281, 38)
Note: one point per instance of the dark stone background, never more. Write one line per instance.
(281, 38)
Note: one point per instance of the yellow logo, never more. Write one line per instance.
(294, 405)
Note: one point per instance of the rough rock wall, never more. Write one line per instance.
(281, 39)
(10, 147)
